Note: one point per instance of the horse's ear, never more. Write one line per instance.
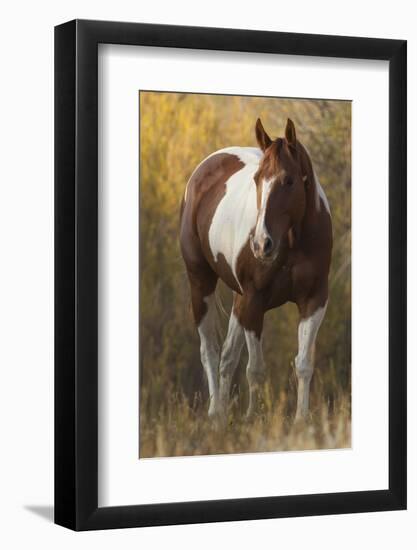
(290, 133)
(264, 141)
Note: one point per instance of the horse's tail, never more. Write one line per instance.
(221, 317)
(220, 305)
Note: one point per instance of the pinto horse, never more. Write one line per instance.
(258, 219)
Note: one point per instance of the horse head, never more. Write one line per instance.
(281, 198)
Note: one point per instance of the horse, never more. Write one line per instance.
(258, 219)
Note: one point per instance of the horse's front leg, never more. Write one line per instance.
(255, 372)
(308, 328)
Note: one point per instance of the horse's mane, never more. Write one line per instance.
(311, 175)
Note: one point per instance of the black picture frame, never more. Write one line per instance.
(76, 272)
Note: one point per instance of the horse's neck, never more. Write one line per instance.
(312, 211)
(312, 189)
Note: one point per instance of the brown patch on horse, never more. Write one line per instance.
(273, 281)
(205, 190)
(249, 310)
(201, 287)
(225, 272)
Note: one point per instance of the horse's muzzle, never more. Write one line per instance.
(264, 249)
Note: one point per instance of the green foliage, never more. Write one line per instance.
(177, 131)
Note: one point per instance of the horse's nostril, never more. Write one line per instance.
(267, 245)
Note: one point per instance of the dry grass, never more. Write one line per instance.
(183, 429)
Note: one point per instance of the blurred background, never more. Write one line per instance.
(177, 131)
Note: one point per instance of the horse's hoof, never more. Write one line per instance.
(302, 420)
(218, 416)
(250, 415)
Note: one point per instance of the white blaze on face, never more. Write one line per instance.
(261, 232)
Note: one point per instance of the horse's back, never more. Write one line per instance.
(215, 169)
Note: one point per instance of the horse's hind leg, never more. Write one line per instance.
(231, 351)
(251, 317)
(203, 286)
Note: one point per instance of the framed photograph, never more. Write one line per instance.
(230, 256)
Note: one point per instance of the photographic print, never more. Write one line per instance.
(245, 274)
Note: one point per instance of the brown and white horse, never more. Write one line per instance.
(259, 220)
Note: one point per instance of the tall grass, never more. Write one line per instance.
(181, 428)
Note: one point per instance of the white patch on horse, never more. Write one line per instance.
(304, 362)
(231, 351)
(255, 370)
(248, 155)
(210, 349)
(236, 213)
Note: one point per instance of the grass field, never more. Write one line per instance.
(179, 428)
